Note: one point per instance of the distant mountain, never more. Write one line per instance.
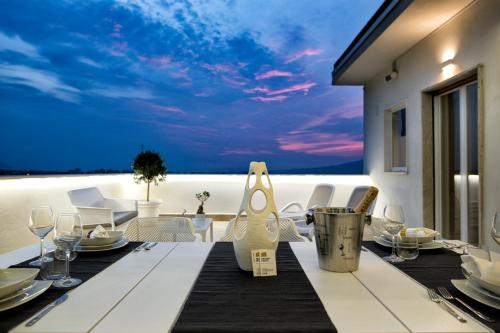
(349, 168)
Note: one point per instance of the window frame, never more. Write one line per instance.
(388, 142)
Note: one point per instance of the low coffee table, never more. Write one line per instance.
(201, 225)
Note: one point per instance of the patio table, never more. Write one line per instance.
(146, 291)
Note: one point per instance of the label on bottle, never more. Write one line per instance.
(264, 262)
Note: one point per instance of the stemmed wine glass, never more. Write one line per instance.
(495, 228)
(393, 223)
(68, 232)
(41, 223)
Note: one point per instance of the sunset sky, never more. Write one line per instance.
(211, 85)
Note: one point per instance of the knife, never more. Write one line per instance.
(46, 310)
(150, 246)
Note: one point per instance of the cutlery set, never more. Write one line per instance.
(433, 295)
(145, 246)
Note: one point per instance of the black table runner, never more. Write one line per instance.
(85, 266)
(436, 268)
(227, 299)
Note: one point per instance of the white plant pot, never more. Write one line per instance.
(256, 235)
(149, 208)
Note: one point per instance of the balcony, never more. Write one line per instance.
(20, 194)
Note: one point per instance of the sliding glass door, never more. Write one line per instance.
(456, 163)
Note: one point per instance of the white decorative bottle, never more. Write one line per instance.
(260, 228)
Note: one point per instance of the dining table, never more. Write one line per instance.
(150, 291)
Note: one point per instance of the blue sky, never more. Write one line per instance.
(211, 85)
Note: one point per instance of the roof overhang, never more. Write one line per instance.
(394, 28)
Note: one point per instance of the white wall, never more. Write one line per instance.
(19, 195)
(474, 36)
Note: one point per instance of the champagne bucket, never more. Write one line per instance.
(338, 233)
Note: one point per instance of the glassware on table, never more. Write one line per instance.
(393, 223)
(41, 223)
(495, 228)
(408, 250)
(68, 232)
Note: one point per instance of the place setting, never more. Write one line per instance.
(26, 281)
(482, 275)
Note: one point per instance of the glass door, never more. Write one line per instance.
(456, 163)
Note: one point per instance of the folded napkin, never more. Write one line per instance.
(415, 232)
(98, 232)
(487, 270)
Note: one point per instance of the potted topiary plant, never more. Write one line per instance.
(202, 197)
(149, 168)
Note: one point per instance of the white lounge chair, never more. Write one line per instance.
(357, 194)
(95, 209)
(288, 231)
(321, 197)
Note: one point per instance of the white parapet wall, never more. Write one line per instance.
(19, 195)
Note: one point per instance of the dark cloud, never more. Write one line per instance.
(211, 85)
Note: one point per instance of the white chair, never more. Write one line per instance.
(95, 209)
(161, 229)
(288, 231)
(357, 194)
(321, 197)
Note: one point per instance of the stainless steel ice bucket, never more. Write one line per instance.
(338, 233)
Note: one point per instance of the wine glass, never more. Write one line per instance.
(41, 223)
(495, 228)
(68, 232)
(393, 223)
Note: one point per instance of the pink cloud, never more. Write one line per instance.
(279, 98)
(162, 108)
(272, 73)
(257, 90)
(324, 144)
(303, 53)
(305, 87)
(181, 74)
(246, 151)
(219, 68)
(156, 61)
(235, 81)
(117, 28)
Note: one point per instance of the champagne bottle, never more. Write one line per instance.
(367, 200)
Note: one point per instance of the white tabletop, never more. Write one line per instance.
(145, 292)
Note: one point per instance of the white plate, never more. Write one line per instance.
(88, 247)
(427, 246)
(465, 287)
(17, 293)
(114, 236)
(483, 291)
(37, 289)
(121, 243)
(13, 279)
(471, 273)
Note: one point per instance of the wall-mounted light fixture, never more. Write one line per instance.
(393, 74)
(447, 65)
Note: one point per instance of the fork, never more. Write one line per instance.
(446, 294)
(141, 247)
(436, 299)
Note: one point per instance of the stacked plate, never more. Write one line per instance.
(115, 240)
(385, 240)
(18, 286)
(476, 286)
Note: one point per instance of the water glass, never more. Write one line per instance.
(68, 232)
(41, 222)
(408, 250)
(495, 228)
(393, 223)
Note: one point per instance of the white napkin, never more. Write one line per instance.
(488, 271)
(98, 232)
(415, 232)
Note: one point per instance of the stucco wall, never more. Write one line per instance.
(474, 36)
(18, 196)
